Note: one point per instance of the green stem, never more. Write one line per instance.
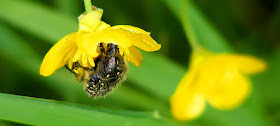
(190, 35)
(188, 27)
(88, 5)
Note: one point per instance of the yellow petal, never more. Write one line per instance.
(148, 44)
(88, 42)
(70, 54)
(102, 26)
(90, 60)
(134, 56)
(246, 64)
(229, 90)
(121, 50)
(186, 103)
(70, 63)
(84, 60)
(80, 61)
(77, 55)
(55, 58)
(130, 28)
(90, 21)
(221, 82)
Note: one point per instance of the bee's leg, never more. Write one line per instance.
(71, 70)
(112, 49)
(101, 47)
(76, 65)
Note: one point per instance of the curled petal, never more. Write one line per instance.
(147, 44)
(121, 51)
(77, 55)
(229, 91)
(246, 64)
(70, 54)
(69, 57)
(80, 61)
(90, 21)
(88, 42)
(102, 26)
(84, 60)
(129, 28)
(91, 62)
(134, 56)
(187, 107)
(55, 58)
(70, 63)
(222, 83)
(187, 103)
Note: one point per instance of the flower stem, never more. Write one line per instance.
(188, 27)
(88, 5)
(192, 39)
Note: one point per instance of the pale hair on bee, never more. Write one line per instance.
(108, 73)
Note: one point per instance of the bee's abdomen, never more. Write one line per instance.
(96, 86)
(110, 72)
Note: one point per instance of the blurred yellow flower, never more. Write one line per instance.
(82, 46)
(218, 78)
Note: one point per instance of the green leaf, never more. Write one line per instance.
(197, 27)
(37, 19)
(157, 75)
(269, 81)
(69, 7)
(36, 111)
(23, 56)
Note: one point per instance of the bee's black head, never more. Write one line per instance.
(112, 49)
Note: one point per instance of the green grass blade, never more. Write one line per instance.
(269, 82)
(16, 49)
(35, 111)
(69, 7)
(37, 19)
(202, 30)
(157, 75)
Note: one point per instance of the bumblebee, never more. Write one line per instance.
(110, 69)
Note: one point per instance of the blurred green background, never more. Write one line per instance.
(29, 28)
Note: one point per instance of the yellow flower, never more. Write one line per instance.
(219, 79)
(82, 46)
